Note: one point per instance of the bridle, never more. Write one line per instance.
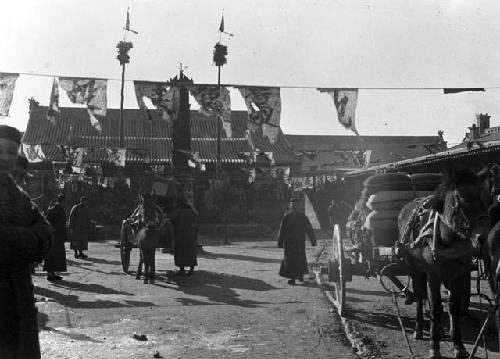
(463, 231)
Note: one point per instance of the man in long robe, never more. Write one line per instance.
(80, 226)
(25, 237)
(184, 221)
(292, 238)
(56, 258)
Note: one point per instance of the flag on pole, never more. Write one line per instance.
(127, 24)
(221, 26)
(264, 109)
(54, 102)
(345, 101)
(214, 100)
(7, 85)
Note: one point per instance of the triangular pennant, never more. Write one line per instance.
(214, 100)
(54, 102)
(345, 101)
(164, 98)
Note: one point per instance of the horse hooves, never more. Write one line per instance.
(461, 354)
(418, 335)
(434, 354)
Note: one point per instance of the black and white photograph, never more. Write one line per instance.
(249, 179)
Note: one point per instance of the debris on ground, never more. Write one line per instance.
(140, 337)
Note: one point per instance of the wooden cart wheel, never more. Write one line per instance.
(126, 235)
(339, 262)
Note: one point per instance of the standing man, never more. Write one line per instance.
(292, 237)
(184, 222)
(80, 226)
(25, 237)
(56, 258)
(332, 213)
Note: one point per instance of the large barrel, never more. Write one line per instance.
(383, 226)
(389, 200)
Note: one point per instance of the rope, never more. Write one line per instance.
(395, 301)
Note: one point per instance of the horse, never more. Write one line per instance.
(157, 226)
(491, 257)
(456, 225)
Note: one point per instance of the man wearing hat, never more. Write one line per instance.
(80, 226)
(56, 258)
(292, 237)
(25, 237)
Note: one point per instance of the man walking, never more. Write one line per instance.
(25, 237)
(291, 236)
(80, 225)
(184, 222)
(56, 258)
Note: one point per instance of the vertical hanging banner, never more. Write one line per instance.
(33, 153)
(91, 92)
(54, 102)
(77, 156)
(345, 101)
(214, 101)
(117, 156)
(264, 109)
(163, 97)
(7, 85)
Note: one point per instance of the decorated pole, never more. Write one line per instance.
(220, 53)
(124, 58)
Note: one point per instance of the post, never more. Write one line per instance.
(217, 163)
(121, 107)
(123, 57)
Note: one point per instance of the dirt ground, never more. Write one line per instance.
(234, 306)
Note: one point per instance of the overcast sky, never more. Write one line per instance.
(350, 43)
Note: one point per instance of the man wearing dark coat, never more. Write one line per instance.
(80, 226)
(292, 237)
(56, 258)
(184, 221)
(25, 237)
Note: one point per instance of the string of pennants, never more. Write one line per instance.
(263, 103)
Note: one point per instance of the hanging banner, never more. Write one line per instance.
(117, 156)
(345, 102)
(214, 100)
(264, 109)
(447, 91)
(33, 153)
(77, 156)
(164, 98)
(54, 102)
(91, 92)
(7, 85)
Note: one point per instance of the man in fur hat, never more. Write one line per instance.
(25, 237)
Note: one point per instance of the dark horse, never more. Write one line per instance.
(491, 256)
(459, 223)
(157, 229)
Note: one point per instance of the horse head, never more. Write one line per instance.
(150, 210)
(462, 203)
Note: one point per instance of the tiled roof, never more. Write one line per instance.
(146, 141)
(343, 143)
(326, 154)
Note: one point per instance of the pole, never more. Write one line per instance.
(121, 107)
(217, 164)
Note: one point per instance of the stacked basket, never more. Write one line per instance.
(387, 194)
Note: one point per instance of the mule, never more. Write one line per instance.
(459, 223)
(157, 227)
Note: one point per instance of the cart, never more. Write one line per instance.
(165, 192)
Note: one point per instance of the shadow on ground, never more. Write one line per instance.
(217, 288)
(240, 257)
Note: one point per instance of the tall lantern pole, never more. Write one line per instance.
(123, 57)
(220, 59)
